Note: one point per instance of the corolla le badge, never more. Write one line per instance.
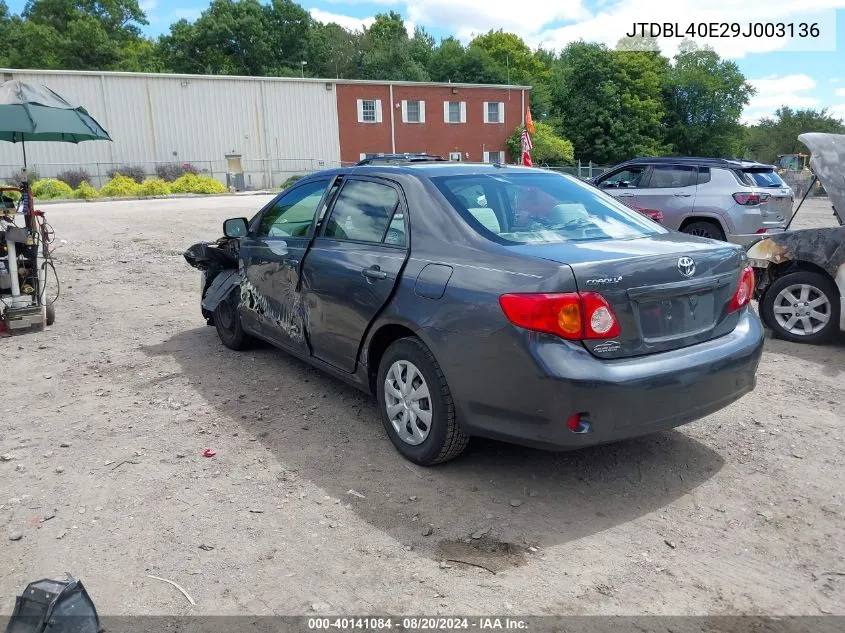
(686, 266)
(604, 280)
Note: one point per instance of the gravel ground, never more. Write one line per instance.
(306, 507)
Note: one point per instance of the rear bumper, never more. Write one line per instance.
(748, 240)
(623, 398)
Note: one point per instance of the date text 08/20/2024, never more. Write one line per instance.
(725, 29)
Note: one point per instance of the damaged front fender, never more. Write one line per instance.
(221, 287)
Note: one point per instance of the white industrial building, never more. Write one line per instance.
(278, 126)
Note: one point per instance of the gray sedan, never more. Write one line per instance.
(488, 300)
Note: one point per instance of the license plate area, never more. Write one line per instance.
(675, 316)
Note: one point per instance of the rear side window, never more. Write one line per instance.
(540, 207)
(766, 179)
(363, 212)
(703, 175)
(671, 177)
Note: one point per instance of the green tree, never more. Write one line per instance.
(705, 97)
(388, 53)
(447, 61)
(587, 102)
(549, 148)
(610, 103)
(515, 61)
(333, 51)
(778, 134)
(239, 37)
(72, 34)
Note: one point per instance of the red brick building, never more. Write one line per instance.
(467, 122)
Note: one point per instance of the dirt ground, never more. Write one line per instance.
(307, 508)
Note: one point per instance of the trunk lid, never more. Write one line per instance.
(658, 307)
(778, 208)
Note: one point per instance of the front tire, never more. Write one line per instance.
(802, 307)
(416, 405)
(227, 321)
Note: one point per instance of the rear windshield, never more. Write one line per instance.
(541, 207)
(766, 179)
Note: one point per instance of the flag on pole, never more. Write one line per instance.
(527, 146)
(529, 122)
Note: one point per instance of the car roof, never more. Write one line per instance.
(695, 161)
(429, 169)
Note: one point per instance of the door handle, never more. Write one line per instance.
(374, 272)
(683, 195)
(627, 195)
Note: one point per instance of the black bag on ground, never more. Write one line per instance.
(57, 606)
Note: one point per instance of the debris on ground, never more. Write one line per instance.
(170, 582)
(209, 452)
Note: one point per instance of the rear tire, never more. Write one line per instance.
(789, 297)
(227, 321)
(51, 314)
(422, 427)
(704, 228)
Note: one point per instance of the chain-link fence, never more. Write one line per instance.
(256, 174)
(585, 170)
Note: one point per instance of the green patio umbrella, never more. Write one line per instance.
(30, 112)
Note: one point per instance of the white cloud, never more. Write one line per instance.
(775, 91)
(837, 111)
(346, 21)
(834, 80)
(466, 18)
(147, 5)
(840, 92)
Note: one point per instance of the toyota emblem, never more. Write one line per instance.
(686, 266)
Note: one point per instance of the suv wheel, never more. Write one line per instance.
(705, 228)
(802, 307)
(416, 404)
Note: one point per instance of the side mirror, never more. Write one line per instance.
(235, 227)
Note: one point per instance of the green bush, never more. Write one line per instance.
(155, 187)
(295, 178)
(85, 191)
(120, 187)
(191, 183)
(51, 189)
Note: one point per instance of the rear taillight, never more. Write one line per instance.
(744, 290)
(761, 231)
(570, 315)
(750, 199)
(652, 214)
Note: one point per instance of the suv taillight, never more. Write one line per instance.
(750, 199)
(570, 315)
(744, 290)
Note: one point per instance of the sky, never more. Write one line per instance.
(806, 72)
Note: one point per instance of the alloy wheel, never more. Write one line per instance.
(802, 309)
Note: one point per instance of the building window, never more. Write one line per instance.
(413, 111)
(455, 156)
(494, 157)
(369, 111)
(455, 111)
(494, 112)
